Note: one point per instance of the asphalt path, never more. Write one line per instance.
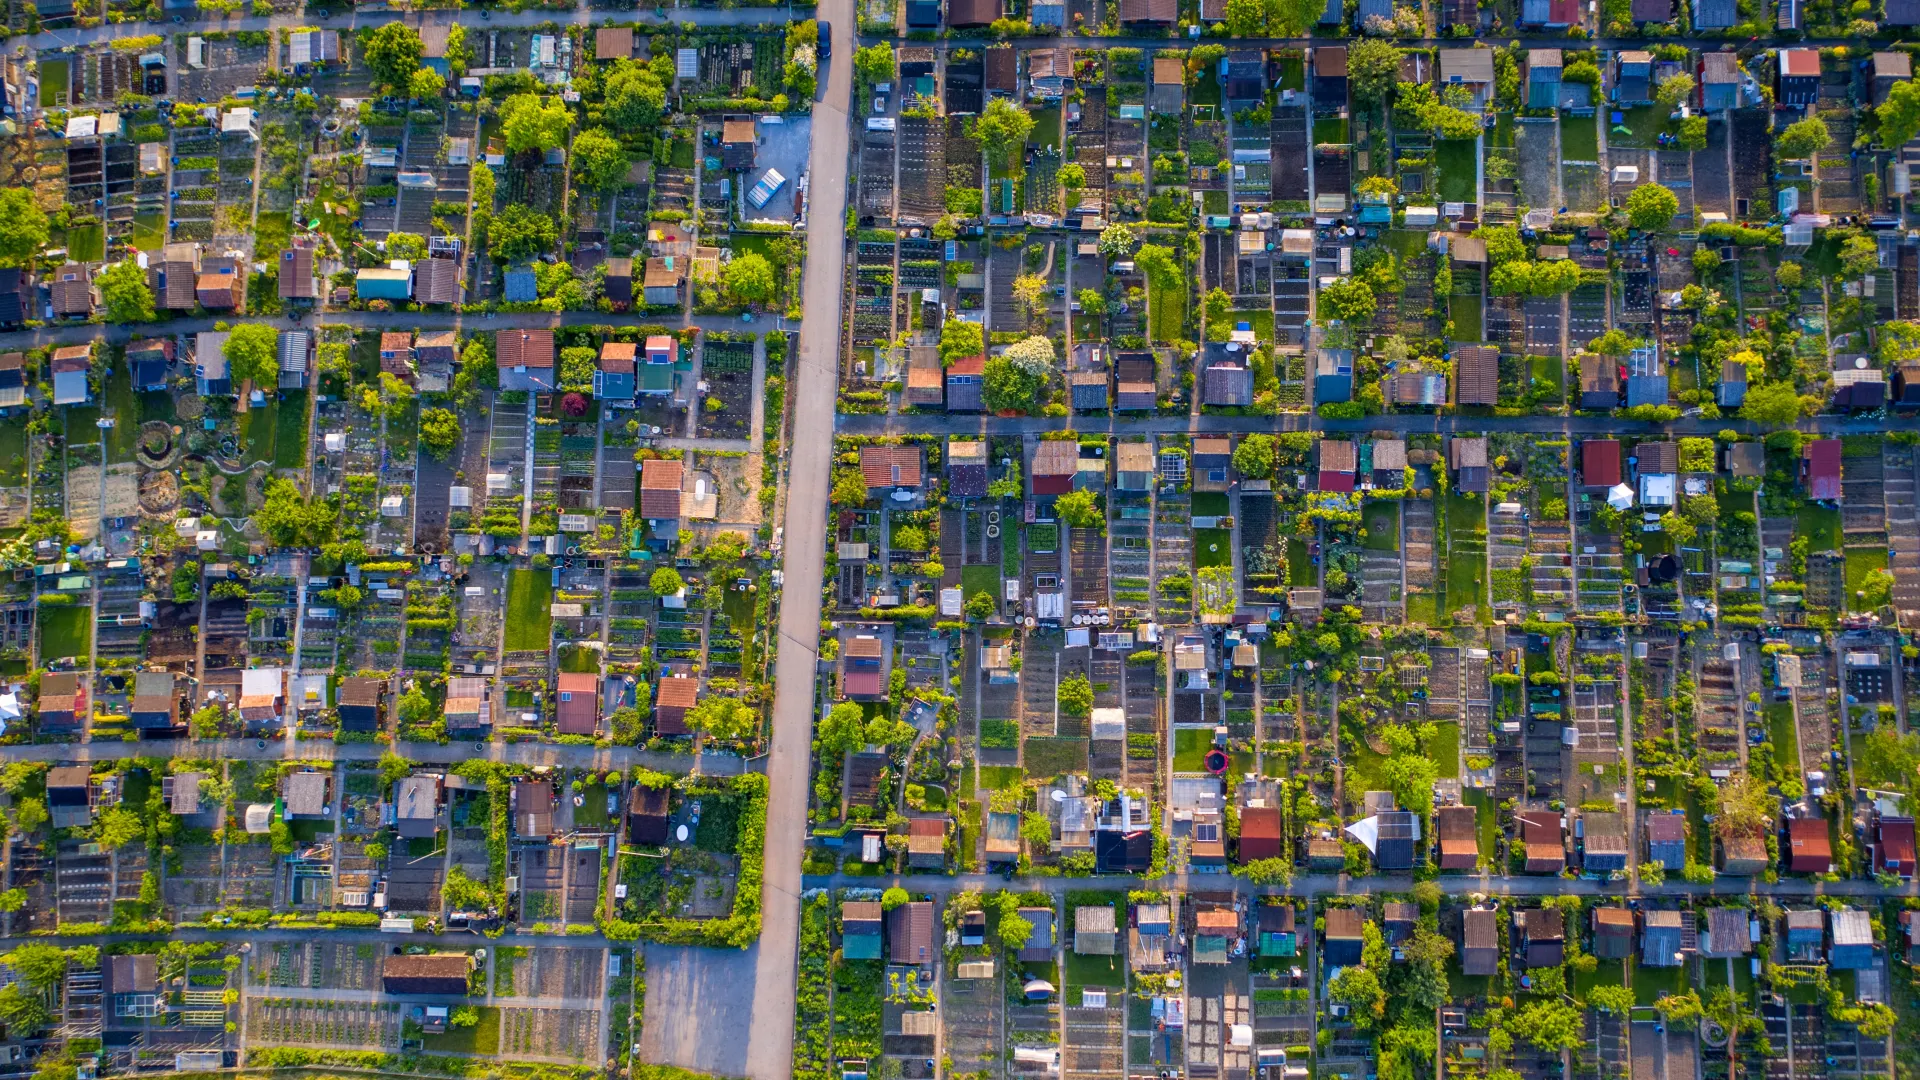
(814, 384)
(275, 749)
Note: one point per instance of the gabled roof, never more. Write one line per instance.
(1658, 457)
(523, 348)
(891, 466)
(1600, 462)
(1476, 375)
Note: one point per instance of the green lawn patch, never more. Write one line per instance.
(1644, 123)
(1549, 378)
(272, 230)
(1210, 504)
(149, 230)
(1579, 138)
(1382, 520)
(1329, 130)
(1606, 973)
(124, 436)
(1300, 568)
(13, 454)
(1406, 243)
(1365, 766)
(1784, 733)
(1486, 818)
(1047, 756)
(1422, 608)
(290, 431)
(1468, 324)
(65, 630)
(481, 1038)
(1458, 160)
(1820, 525)
(1000, 777)
(1260, 320)
(1190, 746)
(1860, 563)
(529, 614)
(1444, 748)
(1293, 73)
(1166, 313)
(1212, 547)
(981, 579)
(258, 427)
(1650, 984)
(1091, 970)
(1046, 127)
(87, 243)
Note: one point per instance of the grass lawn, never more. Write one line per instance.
(125, 433)
(1606, 973)
(1214, 201)
(1444, 749)
(529, 614)
(87, 243)
(1548, 370)
(290, 432)
(257, 427)
(1457, 160)
(13, 454)
(1486, 819)
(271, 231)
(1421, 609)
(1210, 504)
(1212, 547)
(1293, 73)
(65, 630)
(1646, 123)
(1821, 526)
(1259, 319)
(1046, 756)
(1364, 765)
(1000, 777)
(1300, 569)
(1190, 747)
(1092, 970)
(1329, 130)
(1860, 563)
(1382, 521)
(1166, 313)
(1046, 127)
(1579, 138)
(1406, 243)
(481, 1038)
(150, 230)
(1650, 984)
(980, 579)
(1785, 736)
(1466, 316)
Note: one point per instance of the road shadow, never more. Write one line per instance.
(699, 1008)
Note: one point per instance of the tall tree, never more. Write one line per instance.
(392, 52)
(23, 227)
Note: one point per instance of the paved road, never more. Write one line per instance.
(1401, 422)
(594, 757)
(770, 1052)
(349, 20)
(1309, 886)
(471, 322)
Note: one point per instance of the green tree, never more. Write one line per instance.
(842, 731)
(124, 293)
(1003, 129)
(392, 53)
(1006, 387)
(1692, 135)
(1789, 276)
(1705, 261)
(416, 708)
(1075, 696)
(426, 84)
(598, 160)
(635, 96)
(1358, 988)
(874, 64)
(1674, 90)
(464, 1016)
(1254, 458)
(750, 277)
(1611, 997)
(252, 352)
(42, 967)
(1072, 176)
(1349, 300)
(394, 768)
(1550, 1025)
(517, 232)
(1503, 243)
(1079, 509)
(1116, 241)
(723, 719)
(1803, 139)
(23, 1011)
(119, 827)
(1651, 207)
(1775, 404)
(439, 432)
(959, 339)
(894, 897)
(1859, 256)
(13, 900)
(1899, 115)
(666, 581)
(531, 124)
(1373, 68)
(1246, 18)
(23, 227)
